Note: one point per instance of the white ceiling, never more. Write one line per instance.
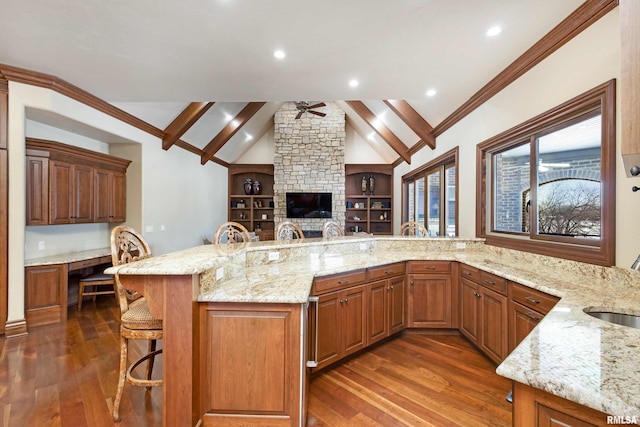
(152, 57)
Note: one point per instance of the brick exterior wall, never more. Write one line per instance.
(309, 156)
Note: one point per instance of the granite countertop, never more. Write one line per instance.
(569, 354)
(68, 257)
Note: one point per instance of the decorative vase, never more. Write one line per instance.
(372, 184)
(363, 185)
(256, 187)
(247, 186)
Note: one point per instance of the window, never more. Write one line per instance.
(430, 195)
(548, 185)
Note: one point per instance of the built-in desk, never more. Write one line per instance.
(47, 281)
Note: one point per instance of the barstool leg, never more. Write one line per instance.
(80, 292)
(151, 349)
(123, 374)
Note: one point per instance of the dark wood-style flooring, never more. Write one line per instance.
(66, 375)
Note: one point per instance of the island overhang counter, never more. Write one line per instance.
(260, 292)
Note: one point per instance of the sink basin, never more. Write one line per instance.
(617, 318)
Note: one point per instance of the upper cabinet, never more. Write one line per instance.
(630, 85)
(71, 185)
(369, 197)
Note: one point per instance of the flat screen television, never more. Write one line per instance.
(308, 205)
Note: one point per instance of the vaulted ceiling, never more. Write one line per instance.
(204, 72)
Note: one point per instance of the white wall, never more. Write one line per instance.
(590, 59)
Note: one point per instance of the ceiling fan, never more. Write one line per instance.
(304, 107)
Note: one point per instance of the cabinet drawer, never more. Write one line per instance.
(469, 272)
(429, 267)
(384, 271)
(493, 282)
(79, 265)
(338, 281)
(532, 298)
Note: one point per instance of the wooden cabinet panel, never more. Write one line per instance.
(385, 271)
(630, 83)
(522, 320)
(70, 193)
(386, 308)
(46, 294)
(429, 301)
(493, 282)
(251, 365)
(469, 272)
(354, 318)
(532, 298)
(37, 190)
(428, 267)
(109, 196)
(470, 299)
(82, 190)
(494, 325)
(536, 408)
(328, 329)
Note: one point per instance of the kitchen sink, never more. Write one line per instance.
(617, 318)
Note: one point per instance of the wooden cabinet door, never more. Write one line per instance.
(494, 325)
(118, 197)
(522, 320)
(328, 328)
(397, 303)
(430, 301)
(37, 190)
(470, 309)
(377, 323)
(354, 319)
(46, 294)
(109, 196)
(60, 192)
(82, 206)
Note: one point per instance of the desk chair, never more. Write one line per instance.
(136, 321)
(99, 283)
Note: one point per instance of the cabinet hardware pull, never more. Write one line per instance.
(389, 272)
(466, 273)
(476, 294)
(346, 300)
(491, 282)
(531, 299)
(429, 267)
(343, 282)
(391, 287)
(411, 283)
(341, 301)
(528, 314)
(314, 363)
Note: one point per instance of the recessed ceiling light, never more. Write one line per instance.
(279, 54)
(431, 92)
(353, 83)
(494, 31)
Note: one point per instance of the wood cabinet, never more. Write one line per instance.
(386, 302)
(527, 307)
(369, 211)
(630, 84)
(70, 185)
(70, 193)
(484, 311)
(250, 366)
(341, 328)
(110, 195)
(533, 407)
(254, 211)
(46, 294)
(4, 204)
(430, 294)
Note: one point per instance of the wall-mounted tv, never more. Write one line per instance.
(308, 205)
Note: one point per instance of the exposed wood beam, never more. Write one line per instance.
(579, 20)
(384, 132)
(229, 130)
(183, 122)
(414, 120)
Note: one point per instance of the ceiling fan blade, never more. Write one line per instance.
(299, 115)
(316, 113)
(318, 105)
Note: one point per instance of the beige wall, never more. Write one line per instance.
(588, 60)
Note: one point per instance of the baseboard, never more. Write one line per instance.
(15, 328)
(430, 331)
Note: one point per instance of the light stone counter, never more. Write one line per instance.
(569, 353)
(68, 258)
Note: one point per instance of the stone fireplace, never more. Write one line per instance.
(309, 157)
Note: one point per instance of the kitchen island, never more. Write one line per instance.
(219, 301)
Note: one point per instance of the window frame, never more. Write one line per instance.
(441, 163)
(601, 253)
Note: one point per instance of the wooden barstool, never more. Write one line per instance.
(97, 282)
